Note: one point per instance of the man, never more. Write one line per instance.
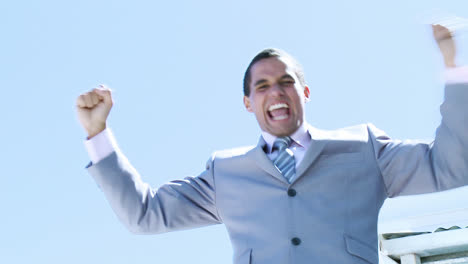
(302, 195)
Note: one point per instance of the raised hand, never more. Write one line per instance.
(446, 44)
(93, 109)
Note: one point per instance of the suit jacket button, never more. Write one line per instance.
(296, 241)
(292, 192)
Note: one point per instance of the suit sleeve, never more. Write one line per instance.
(177, 205)
(415, 167)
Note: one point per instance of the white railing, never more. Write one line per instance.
(435, 248)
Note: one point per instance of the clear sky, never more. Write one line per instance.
(176, 69)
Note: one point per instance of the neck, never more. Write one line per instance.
(301, 137)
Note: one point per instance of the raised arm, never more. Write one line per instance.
(414, 167)
(177, 205)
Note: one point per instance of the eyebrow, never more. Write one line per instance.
(262, 81)
(259, 82)
(287, 76)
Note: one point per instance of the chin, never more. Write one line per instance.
(282, 133)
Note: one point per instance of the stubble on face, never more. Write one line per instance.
(276, 96)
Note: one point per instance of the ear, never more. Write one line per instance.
(306, 93)
(247, 104)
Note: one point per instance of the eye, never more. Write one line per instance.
(262, 87)
(287, 82)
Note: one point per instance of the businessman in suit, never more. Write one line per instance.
(301, 195)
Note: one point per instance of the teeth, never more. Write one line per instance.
(277, 106)
(281, 117)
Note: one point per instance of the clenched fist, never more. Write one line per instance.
(93, 108)
(446, 44)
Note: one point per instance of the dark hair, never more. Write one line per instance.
(272, 53)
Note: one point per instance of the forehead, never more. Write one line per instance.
(273, 67)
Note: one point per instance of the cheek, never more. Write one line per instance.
(249, 103)
(259, 112)
(256, 104)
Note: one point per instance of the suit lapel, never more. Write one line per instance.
(316, 146)
(319, 140)
(258, 155)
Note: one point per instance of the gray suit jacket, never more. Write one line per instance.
(327, 215)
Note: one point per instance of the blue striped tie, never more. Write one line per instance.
(284, 162)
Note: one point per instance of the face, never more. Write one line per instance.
(276, 96)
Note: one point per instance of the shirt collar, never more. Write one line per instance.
(301, 137)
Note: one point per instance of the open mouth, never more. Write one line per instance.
(278, 111)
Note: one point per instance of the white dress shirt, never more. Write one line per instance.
(301, 142)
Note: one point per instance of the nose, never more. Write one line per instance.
(277, 89)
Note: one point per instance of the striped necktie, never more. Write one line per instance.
(284, 162)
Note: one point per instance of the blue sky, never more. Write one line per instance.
(176, 69)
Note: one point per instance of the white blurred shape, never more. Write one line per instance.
(454, 23)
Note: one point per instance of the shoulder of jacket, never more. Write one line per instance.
(228, 154)
(356, 132)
